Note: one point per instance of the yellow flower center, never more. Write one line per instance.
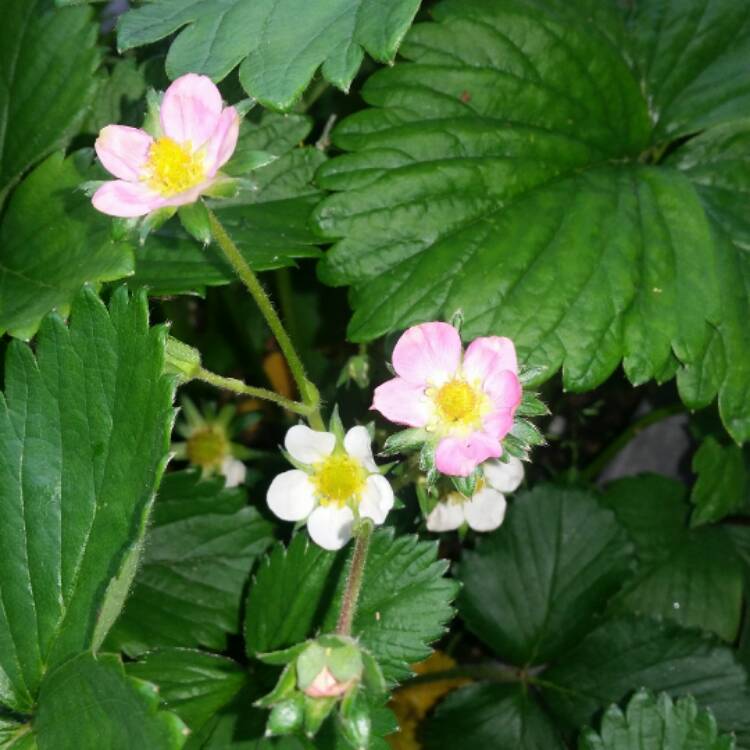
(338, 480)
(172, 168)
(208, 447)
(457, 401)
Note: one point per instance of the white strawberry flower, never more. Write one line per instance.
(335, 484)
(485, 509)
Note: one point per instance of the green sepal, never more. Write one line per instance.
(372, 675)
(531, 374)
(316, 712)
(297, 464)
(194, 220)
(89, 187)
(345, 662)
(287, 717)
(426, 497)
(527, 433)
(403, 441)
(310, 663)
(247, 161)
(284, 688)
(427, 463)
(181, 360)
(153, 221)
(467, 486)
(336, 426)
(333, 640)
(223, 187)
(152, 121)
(532, 406)
(457, 319)
(354, 720)
(243, 106)
(283, 656)
(356, 369)
(515, 447)
(123, 228)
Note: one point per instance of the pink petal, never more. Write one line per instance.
(402, 402)
(223, 141)
(504, 388)
(126, 199)
(191, 109)
(459, 457)
(487, 355)
(123, 151)
(430, 352)
(498, 424)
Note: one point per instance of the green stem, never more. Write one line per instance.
(307, 390)
(354, 579)
(237, 386)
(595, 467)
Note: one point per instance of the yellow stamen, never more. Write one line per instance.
(172, 168)
(457, 401)
(339, 480)
(207, 447)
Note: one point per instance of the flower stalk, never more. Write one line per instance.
(308, 392)
(354, 579)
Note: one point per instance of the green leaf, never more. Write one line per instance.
(722, 483)
(199, 550)
(118, 99)
(84, 429)
(404, 604)
(491, 715)
(91, 703)
(533, 587)
(628, 653)
(692, 577)
(690, 57)
(193, 684)
(280, 43)
(657, 723)
(52, 241)
(503, 170)
(48, 58)
(268, 220)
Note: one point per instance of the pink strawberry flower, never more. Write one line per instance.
(466, 401)
(197, 137)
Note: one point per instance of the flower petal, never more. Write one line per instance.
(126, 199)
(123, 151)
(486, 510)
(430, 352)
(291, 495)
(377, 498)
(234, 471)
(223, 141)
(504, 388)
(446, 516)
(308, 446)
(459, 457)
(190, 110)
(330, 526)
(489, 354)
(358, 444)
(402, 402)
(504, 477)
(498, 424)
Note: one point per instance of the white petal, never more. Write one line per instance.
(291, 495)
(377, 498)
(331, 526)
(446, 516)
(358, 445)
(308, 446)
(234, 471)
(504, 477)
(486, 510)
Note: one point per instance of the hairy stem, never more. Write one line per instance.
(307, 390)
(354, 580)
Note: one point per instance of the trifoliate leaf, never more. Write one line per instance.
(624, 654)
(84, 430)
(193, 684)
(48, 58)
(280, 43)
(197, 558)
(491, 715)
(657, 723)
(510, 168)
(52, 241)
(692, 577)
(533, 587)
(91, 703)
